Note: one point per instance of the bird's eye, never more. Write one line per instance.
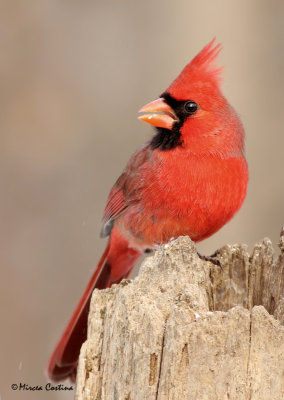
(190, 107)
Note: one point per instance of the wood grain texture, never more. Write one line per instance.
(187, 329)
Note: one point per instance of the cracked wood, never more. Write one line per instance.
(188, 329)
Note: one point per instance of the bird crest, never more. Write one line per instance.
(200, 73)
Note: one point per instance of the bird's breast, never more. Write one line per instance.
(193, 197)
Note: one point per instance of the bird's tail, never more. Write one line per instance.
(115, 264)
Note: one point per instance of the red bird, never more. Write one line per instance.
(189, 179)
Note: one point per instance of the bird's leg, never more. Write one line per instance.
(213, 258)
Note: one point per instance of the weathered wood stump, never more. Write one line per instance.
(188, 329)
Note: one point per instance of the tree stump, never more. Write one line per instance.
(188, 329)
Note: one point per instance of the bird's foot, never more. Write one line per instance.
(213, 258)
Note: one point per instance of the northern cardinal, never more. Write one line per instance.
(189, 179)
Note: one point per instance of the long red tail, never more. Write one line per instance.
(115, 264)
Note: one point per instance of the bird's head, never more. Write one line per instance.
(193, 114)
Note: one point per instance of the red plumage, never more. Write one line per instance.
(189, 179)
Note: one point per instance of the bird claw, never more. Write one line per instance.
(213, 258)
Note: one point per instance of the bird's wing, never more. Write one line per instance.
(126, 190)
(116, 205)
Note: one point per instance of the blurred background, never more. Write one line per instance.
(72, 76)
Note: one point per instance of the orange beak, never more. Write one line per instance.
(158, 113)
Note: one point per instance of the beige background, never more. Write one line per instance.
(73, 75)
